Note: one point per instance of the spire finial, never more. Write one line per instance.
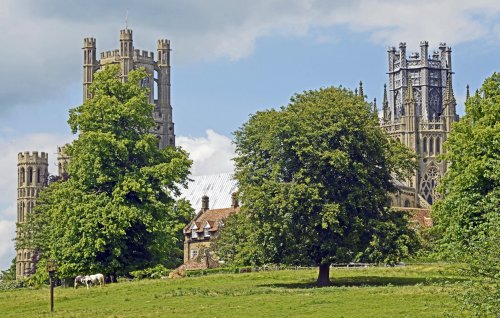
(356, 91)
(361, 90)
(449, 97)
(467, 94)
(375, 112)
(385, 104)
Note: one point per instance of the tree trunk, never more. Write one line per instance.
(324, 275)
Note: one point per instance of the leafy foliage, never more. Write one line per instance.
(116, 212)
(314, 178)
(151, 272)
(468, 217)
(10, 273)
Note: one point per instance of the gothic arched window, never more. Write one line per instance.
(22, 177)
(438, 145)
(429, 183)
(424, 145)
(30, 175)
(434, 104)
(38, 175)
(431, 146)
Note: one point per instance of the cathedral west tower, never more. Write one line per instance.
(129, 58)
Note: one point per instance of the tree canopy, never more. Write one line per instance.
(116, 212)
(467, 219)
(314, 178)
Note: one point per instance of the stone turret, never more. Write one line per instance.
(62, 161)
(89, 64)
(126, 53)
(32, 169)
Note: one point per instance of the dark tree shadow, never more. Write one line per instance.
(367, 281)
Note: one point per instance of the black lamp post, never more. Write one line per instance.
(51, 268)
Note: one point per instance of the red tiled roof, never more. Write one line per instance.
(213, 217)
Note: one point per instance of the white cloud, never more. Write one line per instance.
(7, 253)
(211, 154)
(8, 183)
(45, 36)
(390, 22)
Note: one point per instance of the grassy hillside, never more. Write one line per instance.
(412, 291)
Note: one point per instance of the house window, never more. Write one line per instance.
(194, 254)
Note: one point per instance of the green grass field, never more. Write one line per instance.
(411, 291)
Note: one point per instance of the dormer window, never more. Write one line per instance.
(206, 230)
(194, 229)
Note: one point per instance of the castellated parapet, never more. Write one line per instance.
(130, 58)
(32, 178)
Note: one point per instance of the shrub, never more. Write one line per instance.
(152, 272)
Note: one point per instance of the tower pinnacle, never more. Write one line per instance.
(385, 104)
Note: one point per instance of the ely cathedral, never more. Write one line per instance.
(418, 109)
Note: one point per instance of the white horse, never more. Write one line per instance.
(97, 278)
(83, 280)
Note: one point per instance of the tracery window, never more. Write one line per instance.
(434, 104)
(429, 183)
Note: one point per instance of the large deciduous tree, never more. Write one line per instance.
(116, 212)
(314, 179)
(467, 219)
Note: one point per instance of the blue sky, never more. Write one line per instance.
(230, 59)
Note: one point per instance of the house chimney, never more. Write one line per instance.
(204, 203)
(234, 200)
